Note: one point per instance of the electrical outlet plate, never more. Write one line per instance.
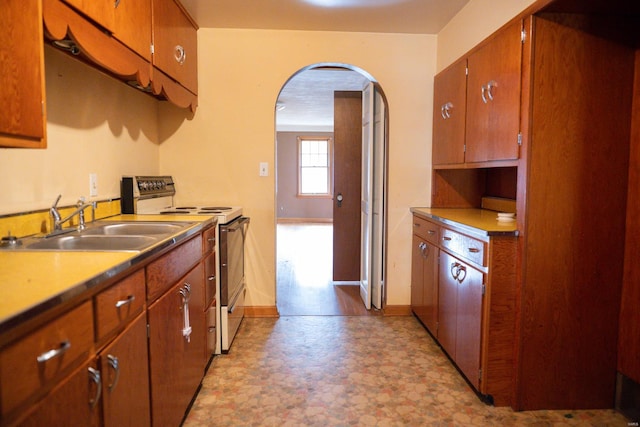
(93, 185)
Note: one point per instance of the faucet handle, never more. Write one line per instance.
(81, 201)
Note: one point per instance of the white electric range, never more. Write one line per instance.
(155, 195)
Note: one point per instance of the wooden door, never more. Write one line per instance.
(176, 363)
(449, 114)
(100, 11)
(493, 98)
(71, 403)
(417, 277)
(469, 322)
(22, 92)
(175, 43)
(132, 26)
(424, 284)
(347, 156)
(430, 287)
(124, 365)
(447, 303)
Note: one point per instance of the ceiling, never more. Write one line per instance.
(308, 96)
(379, 16)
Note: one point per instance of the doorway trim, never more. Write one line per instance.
(383, 169)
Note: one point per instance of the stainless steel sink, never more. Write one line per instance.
(136, 228)
(104, 236)
(83, 242)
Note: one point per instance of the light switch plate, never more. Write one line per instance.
(93, 184)
(264, 169)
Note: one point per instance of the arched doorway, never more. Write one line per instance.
(307, 244)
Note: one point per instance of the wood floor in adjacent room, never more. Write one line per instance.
(305, 270)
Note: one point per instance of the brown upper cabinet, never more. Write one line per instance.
(477, 103)
(175, 48)
(22, 92)
(449, 114)
(114, 36)
(128, 21)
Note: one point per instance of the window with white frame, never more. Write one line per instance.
(314, 171)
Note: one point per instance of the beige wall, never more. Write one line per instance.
(477, 20)
(241, 74)
(95, 125)
(288, 203)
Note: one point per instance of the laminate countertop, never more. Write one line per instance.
(32, 282)
(481, 222)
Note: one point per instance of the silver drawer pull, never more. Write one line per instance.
(211, 239)
(446, 239)
(129, 300)
(211, 278)
(432, 232)
(51, 354)
(474, 250)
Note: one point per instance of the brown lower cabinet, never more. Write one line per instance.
(463, 290)
(175, 355)
(115, 358)
(125, 378)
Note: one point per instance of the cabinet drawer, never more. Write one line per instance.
(167, 270)
(44, 355)
(464, 246)
(209, 240)
(428, 230)
(116, 306)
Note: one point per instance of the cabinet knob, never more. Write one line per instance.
(179, 54)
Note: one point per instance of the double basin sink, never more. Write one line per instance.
(106, 236)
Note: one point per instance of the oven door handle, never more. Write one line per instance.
(234, 226)
(232, 304)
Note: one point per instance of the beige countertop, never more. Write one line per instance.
(32, 282)
(478, 221)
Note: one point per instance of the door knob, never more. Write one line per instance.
(339, 199)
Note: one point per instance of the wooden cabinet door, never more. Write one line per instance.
(100, 11)
(125, 378)
(22, 93)
(417, 278)
(469, 322)
(175, 43)
(493, 98)
(176, 363)
(449, 113)
(447, 304)
(74, 402)
(132, 26)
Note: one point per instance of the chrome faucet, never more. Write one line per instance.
(80, 207)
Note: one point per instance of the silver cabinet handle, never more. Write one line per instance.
(487, 91)
(53, 353)
(445, 110)
(446, 238)
(461, 270)
(179, 54)
(94, 375)
(129, 300)
(211, 278)
(185, 293)
(114, 364)
(431, 232)
(454, 270)
(474, 250)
